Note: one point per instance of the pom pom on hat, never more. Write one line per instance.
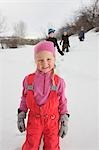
(44, 46)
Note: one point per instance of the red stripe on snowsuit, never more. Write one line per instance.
(42, 120)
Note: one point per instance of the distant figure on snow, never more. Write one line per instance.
(65, 41)
(51, 37)
(81, 34)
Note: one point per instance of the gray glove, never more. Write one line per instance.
(21, 121)
(64, 125)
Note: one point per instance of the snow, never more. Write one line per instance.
(79, 68)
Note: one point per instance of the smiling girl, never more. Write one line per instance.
(44, 99)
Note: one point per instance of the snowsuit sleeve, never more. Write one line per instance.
(68, 40)
(62, 98)
(61, 38)
(23, 106)
(56, 44)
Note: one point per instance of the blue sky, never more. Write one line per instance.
(39, 15)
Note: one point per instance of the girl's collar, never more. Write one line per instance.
(42, 73)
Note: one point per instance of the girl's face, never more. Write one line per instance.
(45, 61)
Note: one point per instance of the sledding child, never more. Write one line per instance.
(52, 38)
(81, 34)
(65, 41)
(44, 101)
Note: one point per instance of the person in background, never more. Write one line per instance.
(81, 34)
(51, 37)
(65, 41)
(43, 97)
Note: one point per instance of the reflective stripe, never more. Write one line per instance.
(30, 87)
(54, 88)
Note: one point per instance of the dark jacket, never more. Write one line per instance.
(65, 39)
(82, 34)
(54, 40)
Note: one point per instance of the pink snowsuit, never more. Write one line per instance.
(43, 119)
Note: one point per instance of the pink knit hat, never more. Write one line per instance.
(44, 46)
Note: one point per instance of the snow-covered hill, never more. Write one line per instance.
(79, 68)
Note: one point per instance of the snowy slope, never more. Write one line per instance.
(78, 68)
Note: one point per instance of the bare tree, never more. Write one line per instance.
(96, 13)
(20, 29)
(88, 17)
(2, 24)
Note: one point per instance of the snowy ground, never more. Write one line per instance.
(79, 68)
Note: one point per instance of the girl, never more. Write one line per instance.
(44, 97)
